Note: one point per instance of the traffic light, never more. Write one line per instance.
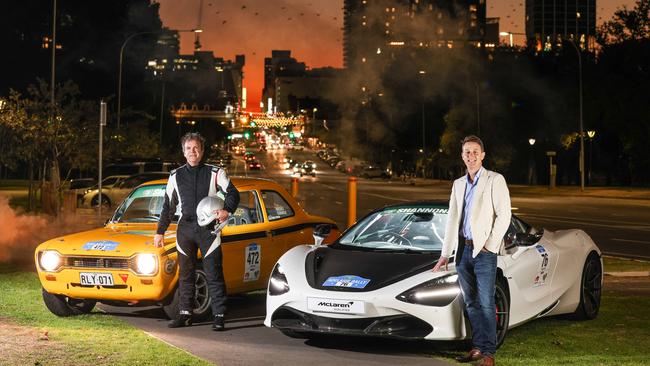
(291, 135)
(247, 135)
(253, 124)
(229, 137)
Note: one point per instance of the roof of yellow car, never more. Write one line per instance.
(237, 181)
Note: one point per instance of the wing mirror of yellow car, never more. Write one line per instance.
(321, 232)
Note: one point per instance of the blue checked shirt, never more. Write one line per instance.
(470, 187)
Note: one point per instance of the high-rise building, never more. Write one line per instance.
(549, 22)
(370, 26)
(280, 64)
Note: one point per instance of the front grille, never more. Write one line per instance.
(94, 262)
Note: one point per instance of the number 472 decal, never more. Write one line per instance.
(252, 260)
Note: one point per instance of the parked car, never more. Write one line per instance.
(79, 186)
(117, 264)
(115, 194)
(376, 279)
(93, 191)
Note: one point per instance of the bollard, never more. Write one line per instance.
(294, 187)
(352, 200)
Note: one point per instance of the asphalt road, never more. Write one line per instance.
(619, 226)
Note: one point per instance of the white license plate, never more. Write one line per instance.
(336, 305)
(93, 279)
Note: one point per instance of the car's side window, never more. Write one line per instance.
(248, 211)
(276, 206)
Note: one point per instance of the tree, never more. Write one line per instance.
(627, 25)
(53, 137)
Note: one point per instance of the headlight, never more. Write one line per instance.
(146, 264)
(50, 261)
(278, 284)
(437, 292)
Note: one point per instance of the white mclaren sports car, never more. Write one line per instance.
(376, 279)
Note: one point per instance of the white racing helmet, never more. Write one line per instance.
(205, 211)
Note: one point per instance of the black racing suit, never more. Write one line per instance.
(187, 185)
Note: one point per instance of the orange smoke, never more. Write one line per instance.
(21, 233)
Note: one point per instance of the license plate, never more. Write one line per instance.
(93, 279)
(336, 305)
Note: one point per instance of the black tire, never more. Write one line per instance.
(502, 302)
(61, 305)
(202, 308)
(590, 288)
(106, 203)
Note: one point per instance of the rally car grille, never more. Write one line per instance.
(92, 262)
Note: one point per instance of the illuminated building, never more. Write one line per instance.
(548, 22)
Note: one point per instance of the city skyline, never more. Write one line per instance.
(307, 28)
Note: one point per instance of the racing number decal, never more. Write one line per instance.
(252, 260)
(540, 278)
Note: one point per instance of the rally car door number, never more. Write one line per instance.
(93, 279)
(253, 258)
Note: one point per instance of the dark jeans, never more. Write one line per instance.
(477, 278)
(190, 237)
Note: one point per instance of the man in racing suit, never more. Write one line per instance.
(187, 185)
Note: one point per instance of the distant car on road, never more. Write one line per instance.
(118, 265)
(373, 171)
(254, 165)
(93, 192)
(376, 279)
(115, 194)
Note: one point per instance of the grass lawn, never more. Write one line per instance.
(94, 339)
(612, 264)
(618, 336)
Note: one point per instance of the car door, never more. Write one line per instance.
(287, 229)
(528, 270)
(245, 244)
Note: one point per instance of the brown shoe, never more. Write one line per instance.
(473, 355)
(486, 361)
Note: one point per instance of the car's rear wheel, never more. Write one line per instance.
(61, 305)
(106, 203)
(590, 288)
(201, 299)
(503, 310)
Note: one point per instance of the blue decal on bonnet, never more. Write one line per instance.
(100, 245)
(347, 281)
(540, 248)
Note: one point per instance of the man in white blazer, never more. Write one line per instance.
(479, 216)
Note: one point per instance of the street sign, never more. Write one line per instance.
(551, 153)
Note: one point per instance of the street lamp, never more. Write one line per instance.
(531, 142)
(119, 78)
(581, 163)
(591, 134)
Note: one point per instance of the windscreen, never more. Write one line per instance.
(144, 205)
(417, 228)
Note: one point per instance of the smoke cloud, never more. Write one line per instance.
(22, 233)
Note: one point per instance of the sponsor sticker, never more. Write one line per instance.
(252, 261)
(346, 281)
(434, 210)
(336, 305)
(540, 278)
(105, 245)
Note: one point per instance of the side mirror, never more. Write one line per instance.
(321, 232)
(526, 240)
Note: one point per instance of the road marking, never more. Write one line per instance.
(631, 241)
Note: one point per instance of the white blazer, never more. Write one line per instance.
(490, 216)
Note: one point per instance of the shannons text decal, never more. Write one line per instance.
(434, 210)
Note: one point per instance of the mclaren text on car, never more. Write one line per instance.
(376, 279)
(119, 265)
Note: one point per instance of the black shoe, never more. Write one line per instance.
(182, 320)
(219, 323)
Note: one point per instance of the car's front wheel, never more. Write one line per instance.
(590, 288)
(106, 203)
(201, 299)
(61, 305)
(503, 310)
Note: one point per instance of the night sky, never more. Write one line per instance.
(311, 29)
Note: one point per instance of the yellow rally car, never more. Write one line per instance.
(119, 265)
